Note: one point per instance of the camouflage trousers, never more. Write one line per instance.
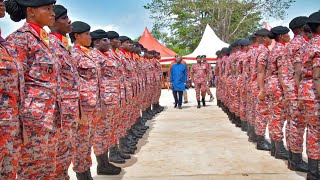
(200, 89)
(262, 118)
(277, 111)
(243, 104)
(236, 104)
(310, 112)
(297, 126)
(103, 128)
(38, 153)
(10, 145)
(208, 91)
(84, 135)
(249, 104)
(64, 152)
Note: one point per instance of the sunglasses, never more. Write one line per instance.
(106, 40)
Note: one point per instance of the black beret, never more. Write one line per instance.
(225, 50)
(204, 56)
(298, 22)
(218, 53)
(35, 3)
(199, 56)
(252, 37)
(112, 35)
(234, 44)
(280, 30)
(80, 27)
(124, 39)
(59, 10)
(264, 33)
(314, 18)
(99, 34)
(244, 42)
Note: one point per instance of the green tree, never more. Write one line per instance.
(230, 19)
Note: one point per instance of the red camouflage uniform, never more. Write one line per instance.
(309, 98)
(250, 75)
(296, 125)
(109, 95)
(68, 103)
(121, 122)
(129, 81)
(261, 107)
(40, 112)
(242, 85)
(89, 105)
(11, 99)
(199, 73)
(236, 89)
(275, 93)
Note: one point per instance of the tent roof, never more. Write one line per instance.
(209, 45)
(149, 42)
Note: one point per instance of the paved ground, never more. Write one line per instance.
(192, 144)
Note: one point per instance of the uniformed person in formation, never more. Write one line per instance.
(279, 85)
(89, 98)
(273, 83)
(109, 88)
(68, 90)
(40, 112)
(199, 76)
(290, 89)
(209, 84)
(11, 97)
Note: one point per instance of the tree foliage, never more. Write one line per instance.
(185, 20)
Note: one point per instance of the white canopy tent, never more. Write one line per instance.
(209, 45)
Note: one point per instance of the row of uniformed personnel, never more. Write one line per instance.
(259, 88)
(56, 104)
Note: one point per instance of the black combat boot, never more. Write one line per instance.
(273, 148)
(199, 106)
(123, 150)
(263, 144)
(142, 123)
(115, 157)
(296, 162)
(238, 121)
(150, 112)
(155, 109)
(89, 177)
(136, 133)
(314, 171)
(203, 102)
(85, 175)
(211, 98)
(244, 126)
(82, 176)
(280, 151)
(130, 140)
(161, 107)
(252, 135)
(145, 115)
(105, 167)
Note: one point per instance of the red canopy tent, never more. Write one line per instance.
(149, 42)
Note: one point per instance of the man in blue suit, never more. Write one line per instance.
(178, 79)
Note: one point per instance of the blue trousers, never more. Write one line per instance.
(178, 97)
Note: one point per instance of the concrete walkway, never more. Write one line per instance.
(192, 144)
